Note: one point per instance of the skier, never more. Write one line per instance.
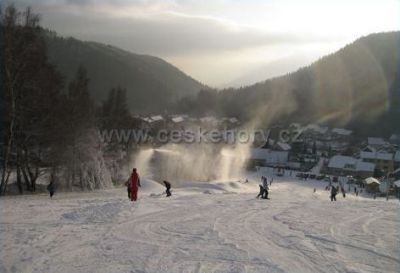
(135, 184)
(265, 186)
(334, 191)
(343, 192)
(271, 180)
(51, 187)
(261, 193)
(168, 186)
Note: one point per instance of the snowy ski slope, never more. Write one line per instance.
(217, 227)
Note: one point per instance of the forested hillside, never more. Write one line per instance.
(151, 83)
(358, 86)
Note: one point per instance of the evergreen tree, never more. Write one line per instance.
(314, 148)
(115, 113)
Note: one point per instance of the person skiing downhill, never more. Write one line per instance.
(343, 192)
(168, 186)
(135, 184)
(266, 188)
(334, 191)
(261, 193)
(51, 187)
(261, 185)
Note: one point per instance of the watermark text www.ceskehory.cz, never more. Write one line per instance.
(198, 135)
(183, 136)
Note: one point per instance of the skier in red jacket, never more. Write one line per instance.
(135, 184)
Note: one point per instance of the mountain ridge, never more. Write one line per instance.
(357, 86)
(145, 77)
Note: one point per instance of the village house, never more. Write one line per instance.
(315, 131)
(209, 122)
(372, 185)
(334, 141)
(394, 139)
(383, 159)
(396, 159)
(153, 123)
(303, 155)
(346, 165)
(178, 122)
(341, 133)
(275, 155)
(228, 123)
(376, 142)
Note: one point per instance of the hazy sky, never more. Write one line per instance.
(221, 42)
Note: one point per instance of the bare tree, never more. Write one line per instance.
(31, 88)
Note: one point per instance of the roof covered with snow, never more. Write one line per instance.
(156, 118)
(371, 180)
(376, 155)
(147, 119)
(153, 118)
(376, 141)
(342, 132)
(340, 161)
(317, 128)
(210, 119)
(233, 120)
(178, 119)
(369, 149)
(350, 163)
(283, 146)
(394, 137)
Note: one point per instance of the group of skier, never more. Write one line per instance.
(133, 185)
(335, 190)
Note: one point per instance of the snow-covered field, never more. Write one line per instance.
(219, 227)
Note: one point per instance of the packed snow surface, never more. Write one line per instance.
(215, 227)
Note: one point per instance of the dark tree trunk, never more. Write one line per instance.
(19, 182)
(26, 179)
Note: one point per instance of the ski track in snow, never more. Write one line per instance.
(200, 230)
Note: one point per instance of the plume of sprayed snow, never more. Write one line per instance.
(193, 162)
(232, 161)
(141, 161)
